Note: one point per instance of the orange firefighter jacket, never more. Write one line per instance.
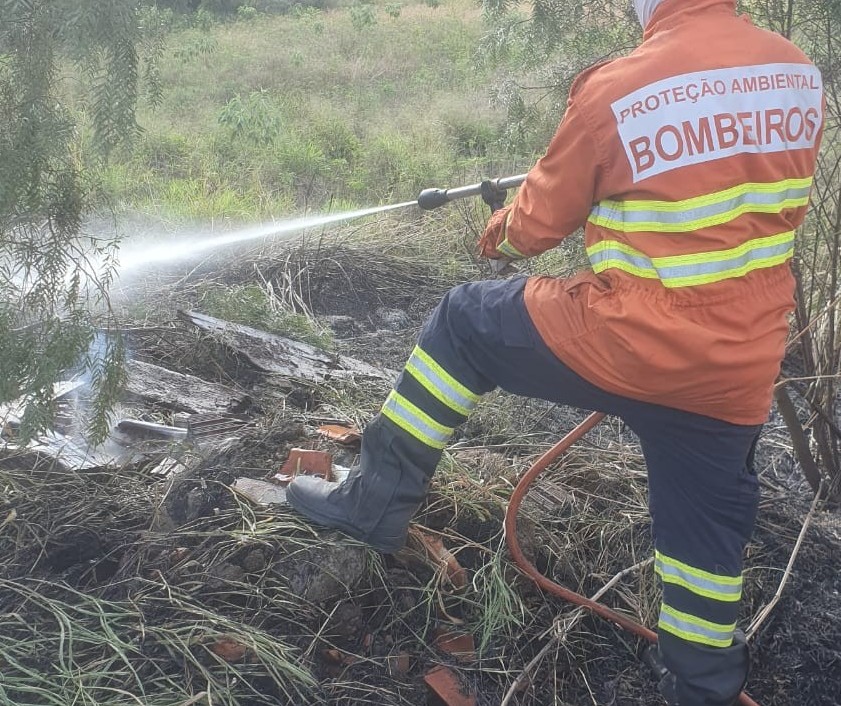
(689, 163)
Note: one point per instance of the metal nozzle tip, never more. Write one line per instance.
(432, 198)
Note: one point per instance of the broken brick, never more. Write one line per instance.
(445, 688)
(341, 434)
(308, 462)
(340, 657)
(433, 552)
(399, 664)
(458, 644)
(228, 649)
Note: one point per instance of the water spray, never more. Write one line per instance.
(136, 255)
(142, 254)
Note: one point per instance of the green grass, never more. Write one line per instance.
(256, 306)
(282, 113)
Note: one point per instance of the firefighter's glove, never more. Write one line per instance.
(492, 195)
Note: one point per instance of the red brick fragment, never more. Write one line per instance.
(229, 649)
(341, 434)
(399, 664)
(458, 644)
(444, 685)
(432, 550)
(308, 462)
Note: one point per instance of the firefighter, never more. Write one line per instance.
(689, 164)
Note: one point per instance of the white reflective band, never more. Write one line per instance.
(700, 268)
(701, 212)
(439, 383)
(699, 582)
(415, 421)
(694, 629)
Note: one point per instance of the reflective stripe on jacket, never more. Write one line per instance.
(690, 164)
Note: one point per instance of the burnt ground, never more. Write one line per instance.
(118, 582)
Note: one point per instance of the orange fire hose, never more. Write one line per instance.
(545, 583)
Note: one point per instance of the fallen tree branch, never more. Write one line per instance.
(798, 438)
(562, 627)
(766, 611)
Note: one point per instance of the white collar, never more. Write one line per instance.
(645, 9)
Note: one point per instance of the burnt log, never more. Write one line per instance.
(288, 358)
(181, 392)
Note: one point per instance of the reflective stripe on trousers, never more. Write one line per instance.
(409, 405)
(710, 595)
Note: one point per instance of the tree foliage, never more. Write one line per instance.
(550, 42)
(555, 39)
(814, 26)
(52, 279)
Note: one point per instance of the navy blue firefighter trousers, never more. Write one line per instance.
(703, 492)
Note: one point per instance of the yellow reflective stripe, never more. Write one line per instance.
(505, 247)
(800, 187)
(711, 278)
(439, 383)
(697, 224)
(694, 629)
(632, 261)
(701, 211)
(415, 421)
(694, 269)
(509, 250)
(715, 197)
(700, 582)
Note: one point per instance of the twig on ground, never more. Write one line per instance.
(561, 628)
(766, 611)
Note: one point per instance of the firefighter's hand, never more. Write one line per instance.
(492, 195)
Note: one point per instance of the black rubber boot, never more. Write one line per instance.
(709, 676)
(378, 499)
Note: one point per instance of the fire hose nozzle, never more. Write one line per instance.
(490, 190)
(432, 198)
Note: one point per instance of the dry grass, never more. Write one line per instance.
(102, 603)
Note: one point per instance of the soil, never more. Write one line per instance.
(187, 547)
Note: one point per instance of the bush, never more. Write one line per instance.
(201, 45)
(362, 15)
(395, 167)
(246, 12)
(337, 139)
(254, 119)
(292, 6)
(167, 154)
(471, 136)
